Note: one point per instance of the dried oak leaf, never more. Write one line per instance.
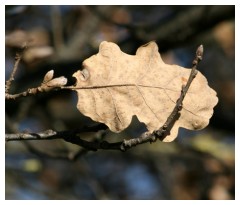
(114, 86)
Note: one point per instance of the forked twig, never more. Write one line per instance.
(49, 83)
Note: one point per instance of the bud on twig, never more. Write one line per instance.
(48, 76)
(199, 52)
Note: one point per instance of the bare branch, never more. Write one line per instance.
(49, 83)
(71, 136)
(46, 135)
(175, 114)
(15, 67)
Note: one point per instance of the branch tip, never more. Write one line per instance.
(199, 52)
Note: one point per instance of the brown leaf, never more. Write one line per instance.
(114, 86)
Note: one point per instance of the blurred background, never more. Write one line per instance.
(197, 165)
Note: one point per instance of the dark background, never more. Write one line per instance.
(197, 165)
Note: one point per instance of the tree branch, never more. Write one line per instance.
(73, 137)
(11, 78)
(175, 114)
(49, 83)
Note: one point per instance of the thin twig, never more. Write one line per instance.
(11, 78)
(71, 136)
(178, 107)
(175, 114)
(48, 84)
(30, 91)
